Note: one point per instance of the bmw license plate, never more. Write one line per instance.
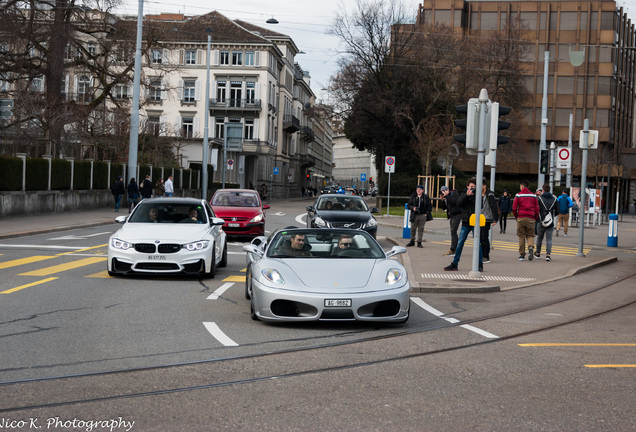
(233, 225)
(156, 257)
(337, 302)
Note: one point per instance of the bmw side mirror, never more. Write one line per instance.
(121, 219)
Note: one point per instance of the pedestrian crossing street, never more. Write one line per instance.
(500, 245)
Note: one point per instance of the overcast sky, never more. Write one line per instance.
(305, 22)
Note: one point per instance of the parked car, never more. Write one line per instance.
(342, 211)
(168, 235)
(362, 283)
(242, 210)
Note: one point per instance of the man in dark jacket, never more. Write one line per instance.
(118, 190)
(525, 208)
(453, 213)
(466, 203)
(490, 211)
(419, 204)
(547, 205)
(146, 187)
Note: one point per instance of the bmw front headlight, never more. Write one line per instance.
(121, 244)
(198, 245)
(273, 275)
(393, 276)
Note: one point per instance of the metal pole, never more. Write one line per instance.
(224, 153)
(584, 146)
(388, 195)
(134, 112)
(204, 165)
(568, 180)
(544, 112)
(483, 105)
(552, 166)
(492, 184)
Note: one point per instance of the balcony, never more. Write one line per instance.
(306, 133)
(291, 123)
(235, 105)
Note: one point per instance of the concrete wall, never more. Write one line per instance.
(40, 202)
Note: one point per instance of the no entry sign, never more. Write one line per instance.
(564, 157)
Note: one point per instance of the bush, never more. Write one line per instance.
(81, 175)
(11, 169)
(37, 174)
(60, 174)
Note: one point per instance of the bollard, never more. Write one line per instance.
(406, 228)
(612, 235)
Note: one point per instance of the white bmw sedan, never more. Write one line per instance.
(168, 235)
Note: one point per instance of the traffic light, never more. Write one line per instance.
(308, 175)
(497, 125)
(470, 124)
(544, 162)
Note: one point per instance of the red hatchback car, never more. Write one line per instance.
(242, 210)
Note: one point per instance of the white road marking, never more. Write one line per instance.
(430, 309)
(80, 237)
(219, 291)
(300, 220)
(218, 334)
(277, 214)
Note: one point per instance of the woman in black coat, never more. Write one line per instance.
(505, 207)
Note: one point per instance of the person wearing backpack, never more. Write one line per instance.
(547, 214)
(564, 204)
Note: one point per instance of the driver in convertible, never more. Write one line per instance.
(344, 242)
(296, 246)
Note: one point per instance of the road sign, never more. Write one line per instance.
(564, 158)
(275, 170)
(230, 164)
(389, 164)
(363, 177)
(592, 140)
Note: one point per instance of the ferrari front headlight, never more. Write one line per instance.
(198, 245)
(273, 276)
(121, 244)
(393, 276)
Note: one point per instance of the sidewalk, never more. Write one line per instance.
(425, 265)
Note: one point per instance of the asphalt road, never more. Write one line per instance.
(457, 364)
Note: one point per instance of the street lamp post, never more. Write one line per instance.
(134, 112)
(204, 165)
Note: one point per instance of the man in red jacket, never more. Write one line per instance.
(525, 209)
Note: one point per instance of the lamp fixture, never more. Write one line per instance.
(272, 20)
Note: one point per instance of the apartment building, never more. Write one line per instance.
(592, 52)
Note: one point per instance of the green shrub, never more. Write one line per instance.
(81, 175)
(37, 174)
(60, 174)
(11, 169)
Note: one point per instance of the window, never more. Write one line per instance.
(155, 90)
(250, 92)
(489, 21)
(83, 89)
(248, 129)
(4, 84)
(189, 91)
(187, 126)
(219, 127)
(190, 57)
(235, 93)
(249, 58)
(443, 17)
(224, 57)
(92, 49)
(153, 125)
(237, 58)
(220, 92)
(157, 57)
(68, 52)
(120, 91)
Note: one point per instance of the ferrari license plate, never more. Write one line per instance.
(337, 302)
(233, 225)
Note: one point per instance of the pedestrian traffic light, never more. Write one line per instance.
(497, 125)
(470, 124)
(544, 162)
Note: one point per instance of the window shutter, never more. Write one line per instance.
(256, 134)
(181, 56)
(164, 92)
(197, 90)
(162, 125)
(164, 56)
(195, 127)
(199, 57)
(216, 58)
(66, 77)
(180, 93)
(257, 58)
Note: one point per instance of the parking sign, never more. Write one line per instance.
(389, 164)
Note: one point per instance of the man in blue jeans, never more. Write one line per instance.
(466, 202)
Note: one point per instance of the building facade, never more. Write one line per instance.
(592, 52)
(350, 163)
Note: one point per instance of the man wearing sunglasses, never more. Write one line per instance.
(344, 242)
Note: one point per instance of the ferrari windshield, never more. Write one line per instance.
(324, 243)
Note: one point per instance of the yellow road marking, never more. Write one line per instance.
(102, 274)
(234, 279)
(82, 250)
(576, 344)
(9, 291)
(63, 267)
(612, 366)
(21, 261)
